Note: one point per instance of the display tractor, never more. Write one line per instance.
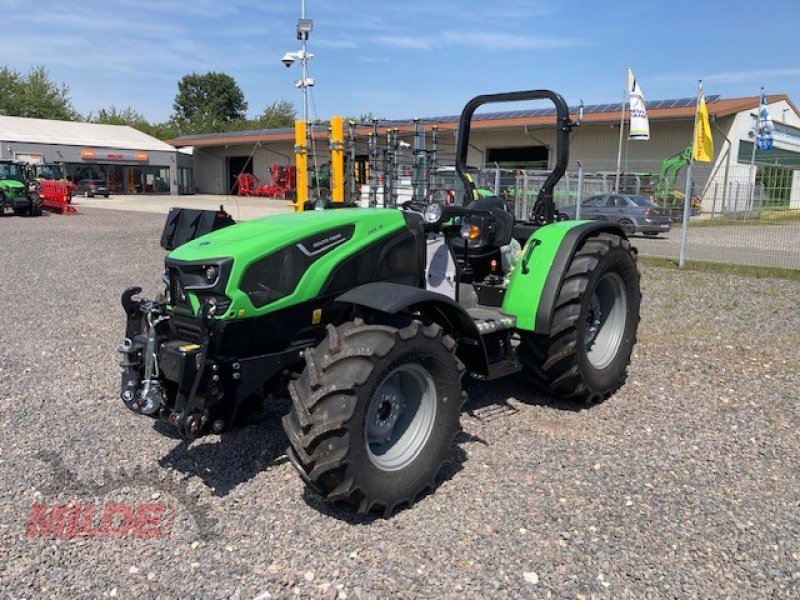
(18, 191)
(370, 317)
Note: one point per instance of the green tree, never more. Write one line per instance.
(34, 94)
(208, 103)
(120, 116)
(133, 118)
(276, 115)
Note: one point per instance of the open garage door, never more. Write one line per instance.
(238, 165)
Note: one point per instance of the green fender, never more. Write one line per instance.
(537, 277)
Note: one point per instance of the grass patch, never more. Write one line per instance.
(709, 267)
(767, 217)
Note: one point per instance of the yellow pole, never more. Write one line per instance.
(337, 159)
(301, 161)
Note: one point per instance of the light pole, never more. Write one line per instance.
(304, 27)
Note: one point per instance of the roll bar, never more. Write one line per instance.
(544, 208)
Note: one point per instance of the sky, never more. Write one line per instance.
(404, 59)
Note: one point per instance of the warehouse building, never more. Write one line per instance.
(525, 139)
(131, 162)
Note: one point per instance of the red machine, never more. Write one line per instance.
(56, 196)
(283, 180)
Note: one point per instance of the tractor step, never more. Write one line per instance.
(493, 324)
(489, 319)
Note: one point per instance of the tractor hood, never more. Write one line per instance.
(11, 184)
(252, 239)
(288, 256)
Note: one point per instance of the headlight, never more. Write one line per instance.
(470, 232)
(433, 213)
(199, 277)
(212, 273)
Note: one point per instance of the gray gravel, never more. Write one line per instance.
(685, 484)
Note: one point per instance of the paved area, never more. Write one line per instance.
(240, 207)
(756, 245)
(685, 484)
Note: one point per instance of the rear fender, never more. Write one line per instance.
(536, 279)
(395, 299)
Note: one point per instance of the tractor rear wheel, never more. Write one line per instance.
(594, 325)
(374, 413)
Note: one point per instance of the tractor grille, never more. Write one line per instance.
(177, 293)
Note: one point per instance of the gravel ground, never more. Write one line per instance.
(684, 484)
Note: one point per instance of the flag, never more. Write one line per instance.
(765, 126)
(640, 126)
(703, 146)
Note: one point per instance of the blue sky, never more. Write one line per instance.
(404, 59)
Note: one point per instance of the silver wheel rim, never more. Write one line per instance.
(400, 417)
(605, 323)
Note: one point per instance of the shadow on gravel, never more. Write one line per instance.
(235, 457)
(488, 400)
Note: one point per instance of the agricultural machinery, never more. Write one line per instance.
(368, 318)
(283, 181)
(18, 190)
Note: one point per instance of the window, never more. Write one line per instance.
(595, 201)
(617, 201)
(777, 182)
(522, 157)
(641, 200)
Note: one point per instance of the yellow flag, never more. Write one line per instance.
(703, 147)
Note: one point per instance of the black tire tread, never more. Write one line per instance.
(325, 397)
(551, 361)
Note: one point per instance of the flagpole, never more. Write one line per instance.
(753, 168)
(621, 129)
(687, 198)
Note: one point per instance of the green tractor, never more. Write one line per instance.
(18, 191)
(369, 318)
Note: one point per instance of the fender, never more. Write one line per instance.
(393, 298)
(537, 277)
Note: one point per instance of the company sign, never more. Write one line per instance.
(92, 154)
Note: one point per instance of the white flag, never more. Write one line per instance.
(640, 126)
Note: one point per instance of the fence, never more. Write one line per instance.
(739, 214)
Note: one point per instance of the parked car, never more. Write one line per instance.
(635, 214)
(89, 188)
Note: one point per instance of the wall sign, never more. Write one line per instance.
(92, 154)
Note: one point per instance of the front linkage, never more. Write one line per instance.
(148, 363)
(184, 382)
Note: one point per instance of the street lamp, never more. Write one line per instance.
(304, 28)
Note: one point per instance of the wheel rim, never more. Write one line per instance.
(605, 323)
(628, 227)
(400, 417)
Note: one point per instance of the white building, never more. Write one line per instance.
(525, 139)
(131, 162)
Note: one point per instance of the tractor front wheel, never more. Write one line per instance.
(374, 413)
(594, 325)
(35, 205)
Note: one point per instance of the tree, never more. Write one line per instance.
(133, 118)
(33, 94)
(208, 103)
(276, 115)
(121, 116)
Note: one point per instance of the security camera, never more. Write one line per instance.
(288, 59)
